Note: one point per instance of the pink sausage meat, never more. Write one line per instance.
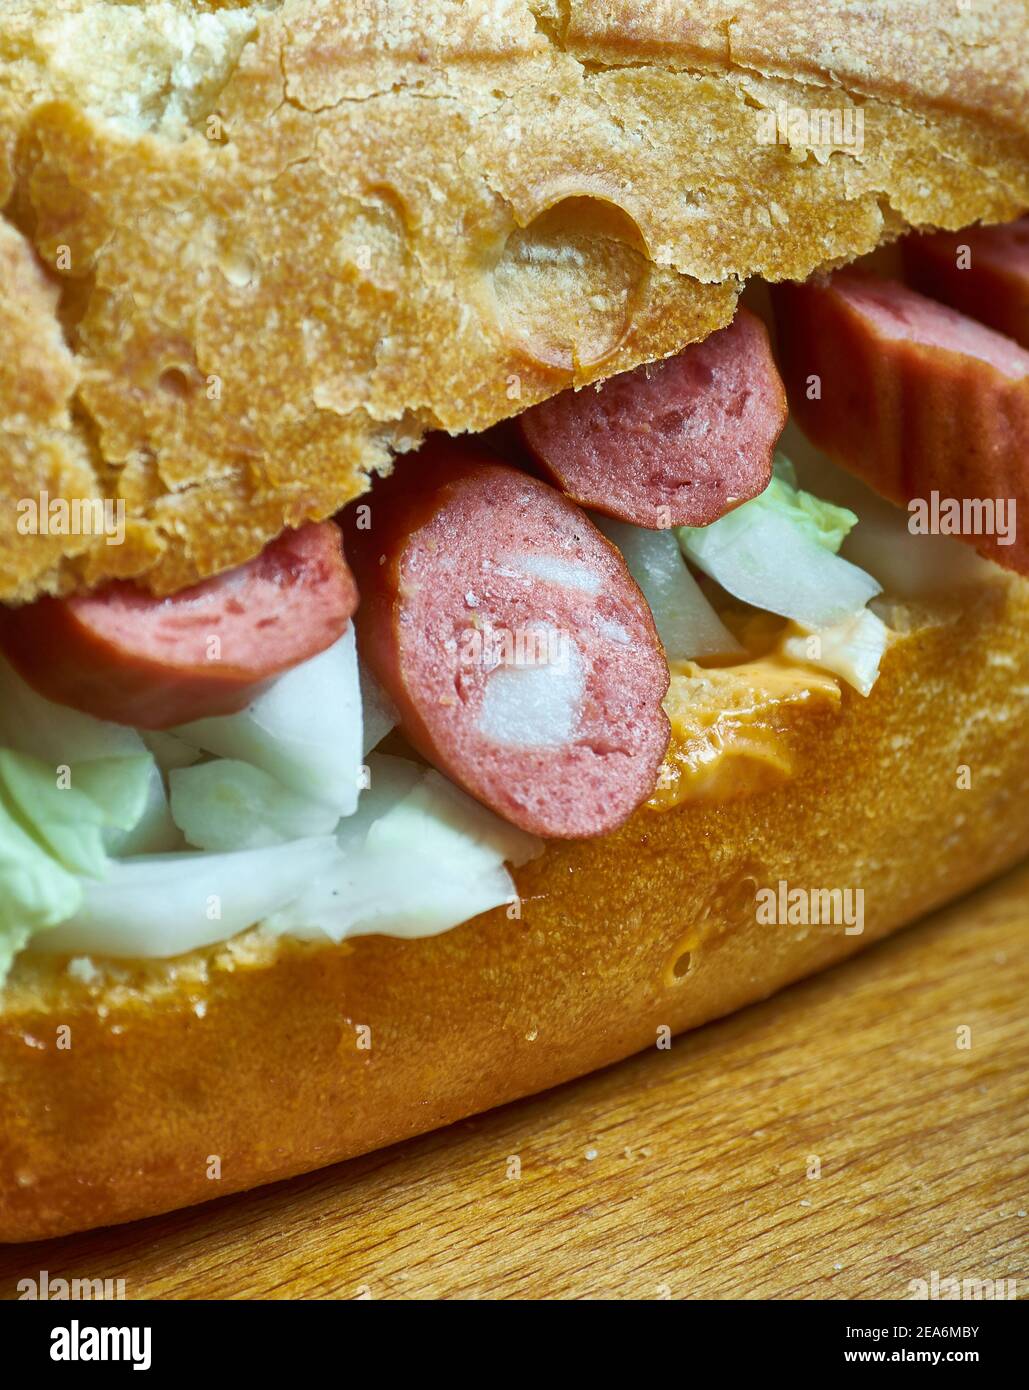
(914, 397)
(982, 271)
(521, 656)
(674, 443)
(124, 655)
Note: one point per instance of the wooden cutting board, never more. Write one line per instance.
(838, 1141)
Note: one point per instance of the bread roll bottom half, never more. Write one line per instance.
(160, 1084)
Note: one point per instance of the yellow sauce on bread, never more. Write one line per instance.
(732, 726)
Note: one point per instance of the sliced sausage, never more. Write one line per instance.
(673, 443)
(983, 271)
(124, 655)
(522, 658)
(915, 398)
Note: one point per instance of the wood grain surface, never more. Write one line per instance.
(835, 1142)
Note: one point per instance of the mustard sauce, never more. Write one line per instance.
(731, 726)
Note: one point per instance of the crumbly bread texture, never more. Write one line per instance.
(250, 252)
(119, 1091)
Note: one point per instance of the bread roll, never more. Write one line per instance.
(250, 254)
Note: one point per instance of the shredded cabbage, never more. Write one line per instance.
(852, 649)
(35, 891)
(55, 824)
(686, 623)
(777, 552)
(110, 762)
(66, 811)
(166, 904)
(74, 791)
(822, 521)
(420, 859)
(225, 805)
(305, 730)
(32, 724)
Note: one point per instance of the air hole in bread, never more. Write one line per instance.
(682, 966)
(566, 285)
(176, 382)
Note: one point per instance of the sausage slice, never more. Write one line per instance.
(915, 398)
(522, 658)
(982, 271)
(674, 443)
(122, 654)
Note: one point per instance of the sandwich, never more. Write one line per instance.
(510, 549)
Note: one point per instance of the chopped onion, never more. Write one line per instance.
(155, 833)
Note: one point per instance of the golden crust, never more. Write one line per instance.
(956, 58)
(291, 237)
(38, 378)
(252, 1053)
